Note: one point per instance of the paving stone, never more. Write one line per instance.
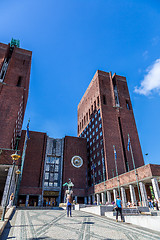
(51, 224)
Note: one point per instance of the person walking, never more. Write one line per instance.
(156, 204)
(69, 205)
(150, 202)
(118, 208)
(10, 201)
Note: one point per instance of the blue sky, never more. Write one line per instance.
(70, 40)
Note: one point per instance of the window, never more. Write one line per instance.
(90, 136)
(46, 184)
(97, 145)
(96, 129)
(93, 140)
(90, 129)
(50, 184)
(85, 135)
(97, 137)
(87, 132)
(94, 105)
(46, 175)
(87, 116)
(99, 111)
(90, 151)
(100, 125)
(98, 101)
(99, 172)
(55, 184)
(96, 115)
(82, 123)
(100, 134)
(89, 123)
(127, 105)
(99, 163)
(89, 112)
(92, 119)
(93, 133)
(95, 174)
(90, 143)
(87, 139)
(99, 118)
(96, 123)
(19, 81)
(97, 154)
(101, 141)
(94, 148)
(93, 126)
(104, 99)
(92, 108)
(94, 156)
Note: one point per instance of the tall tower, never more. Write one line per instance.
(15, 65)
(105, 118)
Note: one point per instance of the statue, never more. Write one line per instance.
(68, 192)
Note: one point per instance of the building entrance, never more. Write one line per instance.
(50, 198)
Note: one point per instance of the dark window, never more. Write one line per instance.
(89, 112)
(19, 81)
(94, 105)
(104, 99)
(127, 105)
(98, 101)
(82, 123)
(87, 116)
(92, 108)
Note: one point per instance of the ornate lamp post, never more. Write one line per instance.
(14, 157)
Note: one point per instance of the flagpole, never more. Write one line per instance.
(135, 170)
(22, 163)
(115, 158)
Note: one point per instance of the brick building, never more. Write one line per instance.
(105, 118)
(15, 65)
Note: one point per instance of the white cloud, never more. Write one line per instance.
(151, 81)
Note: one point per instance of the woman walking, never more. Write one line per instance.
(69, 205)
(118, 208)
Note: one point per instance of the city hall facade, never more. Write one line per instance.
(103, 160)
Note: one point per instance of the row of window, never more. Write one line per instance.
(86, 119)
(50, 184)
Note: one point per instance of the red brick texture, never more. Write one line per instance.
(75, 147)
(34, 163)
(13, 98)
(145, 172)
(117, 122)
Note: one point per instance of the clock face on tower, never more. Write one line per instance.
(77, 161)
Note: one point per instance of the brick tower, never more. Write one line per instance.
(15, 64)
(105, 118)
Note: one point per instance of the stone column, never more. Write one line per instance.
(143, 194)
(27, 200)
(133, 195)
(114, 194)
(124, 199)
(89, 200)
(156, 189)
(98, 198)
(108, 197)
(103, 196)
(85, 200)
(39, 200)
(6, 188)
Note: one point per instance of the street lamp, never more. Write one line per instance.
(14, 157)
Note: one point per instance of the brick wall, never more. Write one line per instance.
(34, 162)
(75, 147)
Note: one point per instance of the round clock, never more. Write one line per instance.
(77, 161)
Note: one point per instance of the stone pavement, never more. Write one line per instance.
(53, 224)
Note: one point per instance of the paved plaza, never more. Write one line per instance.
(53, 224)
